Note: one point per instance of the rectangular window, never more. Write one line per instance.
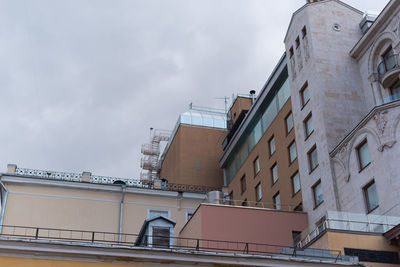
(274, 173)
(291, 51)
(363, 154)
(161, 237)
(277, 201)
(289, 122)
(271, 143)
(292, 152)
(243, 183)
(371, 197)
(258, 192)
(317, 192)
(304, 32)
(296, 183)
(256, 166)
(156, 213)
(297, 42)
(312, 158)
(304, 95)
(308, 125)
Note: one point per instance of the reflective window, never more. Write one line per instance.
(371, 197)
(271, 146)
(318, 195)
(308, 125)
(277, 201)
(312, 158)
(296, 183)
(258, 192)
(363, 155)
(292, 152)
(289, 122)
(256, 166)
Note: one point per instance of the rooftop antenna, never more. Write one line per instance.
(225, 98)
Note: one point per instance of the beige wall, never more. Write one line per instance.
(241, 103)
(339, 241)
(89, 209)
(193, 157)
(281, 157)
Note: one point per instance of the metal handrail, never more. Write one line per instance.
(387, 64)
(130, 240)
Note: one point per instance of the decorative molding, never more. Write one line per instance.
(381, 121)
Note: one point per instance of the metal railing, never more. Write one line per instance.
(98, 179)
(94, 238)
(387, 64)
(348, 225)
(66, 176)
(256, 204)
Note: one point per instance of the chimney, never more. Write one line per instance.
(253, 96)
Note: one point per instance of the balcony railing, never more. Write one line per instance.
(66, 176)
(387, 64)
(129, 241)
(347, 221)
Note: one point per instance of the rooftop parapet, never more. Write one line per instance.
(87, 177)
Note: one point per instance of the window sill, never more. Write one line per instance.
(256, 174)
(363, 168)
(270, 155)
(305, 139)
(319, 204)
(305, 104)
(291, 162)
(289, 132)
(311, 171)
(274, 183)
(368, 212)
(295, 194)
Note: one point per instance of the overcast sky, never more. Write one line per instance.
(81, 82)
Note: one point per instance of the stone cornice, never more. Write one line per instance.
(362, 123)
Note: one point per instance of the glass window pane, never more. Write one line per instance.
(319, 197)
(296, 183)
(257, 131)
(289, 123)
(277, 201)
(271, 146)
(313, 158)
(258, 192)
(269, 115)
(292, 152)
(372, 197)
(305, 96)
(363, 155)
(309, 126)
(274, 173)
(256, 166)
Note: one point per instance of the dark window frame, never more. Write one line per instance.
(310, 167)
(365, 192)
(243, 184)
(358, 147)
(318, 183)
(301, 92)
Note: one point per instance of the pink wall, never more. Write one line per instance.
(250, 224)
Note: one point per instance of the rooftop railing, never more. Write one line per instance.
(335, 220)
(130, 241)
(108, 180)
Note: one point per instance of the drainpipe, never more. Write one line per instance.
(121, 212)
(3, 206)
